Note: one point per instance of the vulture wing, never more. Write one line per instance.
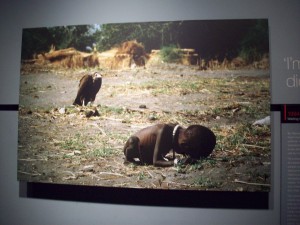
(83, 94)
(97, 82)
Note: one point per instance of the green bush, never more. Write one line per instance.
(170, 54)
(256, 43)
(250, 54)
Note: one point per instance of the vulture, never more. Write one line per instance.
(89, 85)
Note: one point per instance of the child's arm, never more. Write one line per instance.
(160, 145)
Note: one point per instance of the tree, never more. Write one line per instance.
(71, 36)
(35, 41)
(39, 40)
(153, 35)
(256, 42)
(210, 38)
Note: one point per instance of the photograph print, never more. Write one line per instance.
(173, 105)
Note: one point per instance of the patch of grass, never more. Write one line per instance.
(235, 110)
(203, 163)
(198, 165)
(182, 87)
(111, 110)
(71, 109)
(244, 139)
(75, 142)
(102, 152)
(210, 161)
(122, 138)
(250, 110)
(181, 168)
(141, 176)
(104, 145)
(225, 159)
(206, 182)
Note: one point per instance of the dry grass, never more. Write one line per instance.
(88, 150)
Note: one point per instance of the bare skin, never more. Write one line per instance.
(153, 143)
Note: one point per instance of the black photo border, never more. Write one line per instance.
(146, 197)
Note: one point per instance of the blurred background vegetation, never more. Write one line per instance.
(212, 39)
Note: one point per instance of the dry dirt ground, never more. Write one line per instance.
(60, 143)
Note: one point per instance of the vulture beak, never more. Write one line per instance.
(97, 75)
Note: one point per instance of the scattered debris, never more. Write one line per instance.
(143, 106)
(152, 117)
(90, 113)
(264, 121)
(88, 168)
(62, 110)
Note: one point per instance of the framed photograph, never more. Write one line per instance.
(87, 91)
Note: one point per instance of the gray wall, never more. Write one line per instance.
(284, 26)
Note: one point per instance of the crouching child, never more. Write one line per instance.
(151, 144)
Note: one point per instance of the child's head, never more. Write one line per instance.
(197, 141)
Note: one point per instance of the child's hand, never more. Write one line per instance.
(178, 162)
